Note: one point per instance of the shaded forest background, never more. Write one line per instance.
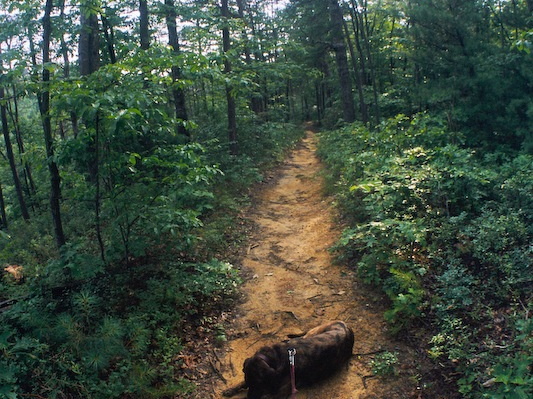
(134, 129)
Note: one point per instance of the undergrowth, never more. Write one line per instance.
(445, 231)
(79, 326)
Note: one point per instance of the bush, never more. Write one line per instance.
(445, 232)
(77, 341)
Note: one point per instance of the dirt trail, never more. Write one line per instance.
(293, 286)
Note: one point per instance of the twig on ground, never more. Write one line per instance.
(217, 371)
(367, 377)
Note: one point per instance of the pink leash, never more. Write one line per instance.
(292, 353)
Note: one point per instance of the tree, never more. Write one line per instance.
(230, 98)
(10, 154)
(357, 74)
(144, 31)
(89, 41)
(44, 102)
(339, 46)
(178, 93)
(362, 27)
(89, 62)
(459, 53)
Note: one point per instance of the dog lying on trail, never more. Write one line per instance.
(321, 352)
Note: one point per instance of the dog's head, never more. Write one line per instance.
(261, 377)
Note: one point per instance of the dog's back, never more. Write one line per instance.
(319, 353)
(322, 351)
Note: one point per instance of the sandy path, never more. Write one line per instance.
(293, 285)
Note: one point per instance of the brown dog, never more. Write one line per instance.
(322, 351)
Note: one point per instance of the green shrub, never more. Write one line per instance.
(445, 231)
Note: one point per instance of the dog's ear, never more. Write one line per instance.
(259, 376)
(258, 372)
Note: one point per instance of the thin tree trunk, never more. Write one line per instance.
(89, 60)
(28, 177)
(339, 46)
(66, 70)
(97, 208)
(358, 78)
(356, 29)
(318, 103)
(232, 114)
(363, 30)
(55, 180)
(262, 100)
(109, 35)
(177, 92)
(203, 87)
(3, 215)
(144, 31)
(256, 101)
(11, 156)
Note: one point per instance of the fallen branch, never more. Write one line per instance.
(217, 371)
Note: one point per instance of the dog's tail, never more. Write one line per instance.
(228, 393)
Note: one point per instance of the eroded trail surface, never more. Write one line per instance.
(293, 285)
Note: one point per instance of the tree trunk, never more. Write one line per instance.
(232, 114)
(3, 216)
(11, 156)
(66, 71)
(144, 31)
(177, 92)
(55, 180)
(356, 29)
(89, 51)
(256, 101)
(363, 30)
(339, 46)
(358, 77)
(89, 59)
(109, 35)
(28, 177)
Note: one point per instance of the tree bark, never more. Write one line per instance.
(109, 35)
(14, 114)
(356, 28)
(232, 114)
(177, 92)
(3, 215)
(256, 101)
(89, 59)
(339, 46)
(66, 71)
(366, 42)
(144, 31)
(9, 151)
(358, 78)
(55, 180)
(88, 51)
(11, 157)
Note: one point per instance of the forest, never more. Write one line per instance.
(133, 132)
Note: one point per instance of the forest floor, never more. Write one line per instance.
(292, 284)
